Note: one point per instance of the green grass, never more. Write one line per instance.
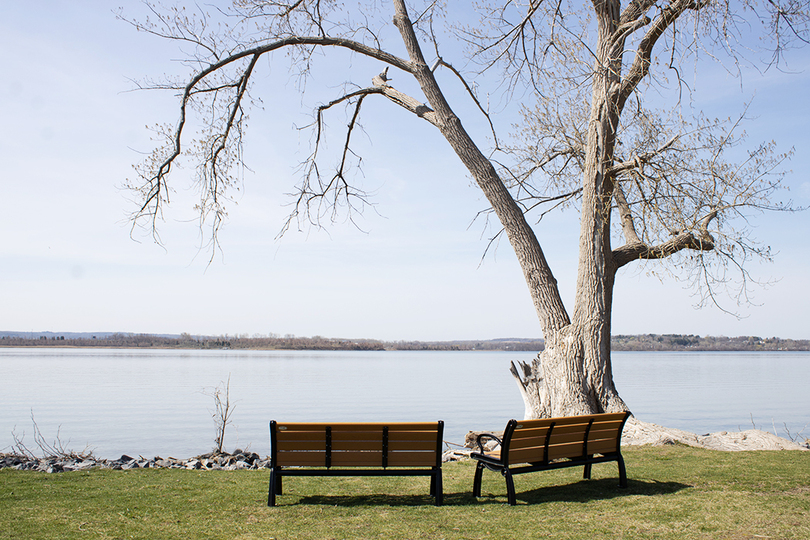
(674, 492)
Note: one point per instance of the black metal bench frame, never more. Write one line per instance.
(277, 471)
(585, 457)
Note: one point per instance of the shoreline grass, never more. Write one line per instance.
(673, 492)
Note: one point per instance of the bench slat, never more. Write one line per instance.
(348, 445)
(301, 436)
(570, 428)
(356, 426)
(412, 435)
(371, 436)
(426, 446)
(302, 459)
(529, 433)
(527, 455)
(412, 459)
(290, 446)
(602, 447)
(357, 459)
(563, 438)
(521, 444)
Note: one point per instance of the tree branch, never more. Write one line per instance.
(702, 241)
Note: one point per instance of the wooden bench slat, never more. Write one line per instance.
(606, 428)
(602, 447)
(528, 433)
(520, 444)
(290, 446)
(613, 436)
(356, 426)
(538, 446)
(527, 455)
(613, 427)
(301, 459)
(563, 438)
(371, 436)
(357, 445)
(301, 436)
(427, 446)
(570, 428)
(533, 424)
(411, 435)
(411, 459)
(567, 450)
(357, 459)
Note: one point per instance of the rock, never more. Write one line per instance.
(637, 432)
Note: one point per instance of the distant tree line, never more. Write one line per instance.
(260, 342)
(684, 342)
(644, 342)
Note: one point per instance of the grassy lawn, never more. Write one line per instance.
(674, 492)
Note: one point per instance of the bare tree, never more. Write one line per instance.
(222, 412)
(648, 185)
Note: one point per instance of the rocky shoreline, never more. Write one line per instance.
(238, 460)
(635, 433)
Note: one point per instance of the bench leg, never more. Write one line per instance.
(271, 489)
(479, 472)
(622, 472)
(586, 475)
(510, 487)
(274, 488)
(436, 488)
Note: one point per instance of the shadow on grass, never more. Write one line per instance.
(586, 491)
(366, 500)
(578, 492)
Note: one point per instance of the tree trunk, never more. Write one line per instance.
(573, 374)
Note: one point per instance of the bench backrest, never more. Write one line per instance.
(540, 441)
(393, 444)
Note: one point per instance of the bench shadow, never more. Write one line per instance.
(586, 491)
(365, 500)
(578, 492)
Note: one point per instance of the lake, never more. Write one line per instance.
(158, 402)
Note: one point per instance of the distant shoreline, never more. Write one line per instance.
(641, 342)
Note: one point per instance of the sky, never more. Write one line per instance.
(412, 269)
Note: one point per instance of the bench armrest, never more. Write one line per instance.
(481, 436)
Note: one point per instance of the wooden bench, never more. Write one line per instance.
(552, 443)
(357, 449)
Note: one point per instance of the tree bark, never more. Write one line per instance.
(574, 373)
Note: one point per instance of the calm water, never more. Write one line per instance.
(156, 402)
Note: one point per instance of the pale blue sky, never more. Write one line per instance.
(72, 130)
